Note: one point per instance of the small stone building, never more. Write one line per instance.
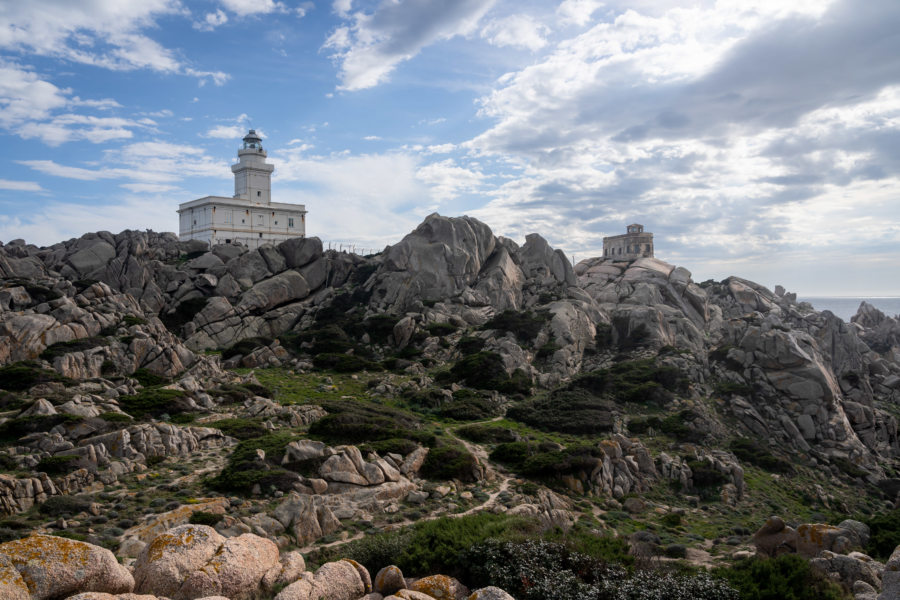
(636, 243)
(249, 217)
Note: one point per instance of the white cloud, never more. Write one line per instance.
(212, 20)
(577, 12)
(371, 138)
(20, 186)
(243, 8)
(372, 46)
(448, 180)
(49, 223)
(521, 31)
(226, 132)
(103, 33)
(342, 7)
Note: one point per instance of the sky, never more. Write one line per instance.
(753, 138)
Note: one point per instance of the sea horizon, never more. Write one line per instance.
(846, 306)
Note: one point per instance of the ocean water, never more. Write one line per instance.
(846, 306)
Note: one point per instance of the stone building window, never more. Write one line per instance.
(291, 222)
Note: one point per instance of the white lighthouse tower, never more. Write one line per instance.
(249, 217)
(252, 174)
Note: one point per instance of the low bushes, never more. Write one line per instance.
(344, 363)
(640, 381)
(79, 345)
(182, 314)
(201, 517)
(471, 344)
(537, 462)
(242, 429)
(440, 329)
(485, 370)
(350, 422)
(450, 461)
(154, 402)
(885, 534)
(755, 453)
(245, 469)
(56, 465)
(148, 378)
(24, 375)
(245, 346)
(16, 428)
(525, 325)
(566, 411)
(786, 577)
(487, 434)
(65, 505)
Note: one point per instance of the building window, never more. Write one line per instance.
(260, 234)
(291, 222)
(258, 193)
(228, 217)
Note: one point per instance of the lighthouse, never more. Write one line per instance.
(249, 217)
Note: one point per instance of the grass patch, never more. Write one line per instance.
(753, 452)
(787, 577)
(242, 429)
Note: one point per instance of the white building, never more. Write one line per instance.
(250, 217)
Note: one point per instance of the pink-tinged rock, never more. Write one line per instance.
(12, 586)
(490, 593)
(291, 566)
(172, 557)
(440, 587)
(236, 570)
(389, 580)
(105, 596)
(55, 567)
(338, 580)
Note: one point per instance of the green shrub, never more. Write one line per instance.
(569, 461)
(245, 346)
(566, 411)
(471, 344)
(201, 517)
(235, 393)
(242, 429)
(393, 445)
(491, 434)
(148, 378)
(131, 320)
(485, 370)
(730, 388)
(182, 314)
(56, 465)
(450, 461)
(441, 329)
(638, 381)
(380, 327)
(15, 429)
(65, 505)
(40, 293)
(154, 402)
(885, 533)
(704, 475)
(680, 427)
(245, 469)
(21, 376)
(344, 363)
(61, 348)
(351, 422)
(546, 351)
(753, 452)
(629, 338)
(787, 577)
(525, 325)
(512, 454)
(469, 406)
(114, 417)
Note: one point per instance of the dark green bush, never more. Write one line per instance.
(21, 376)
(154, 402)
(491, 434)
(344, 363)
(380, 327)
(704, 475)
(79, 345)
(787, 577)
(525, 325)
(627, 337)
(450, 461)
(753, 452)
(566, 411)
(680, 426)
(242, 429)
(65, 505)
(17, 428)
(182, 314)
(441, 329)
(885, 534)
(471, 344)
(512, 454)
(730, 388)
(130, 320)
(236, 393)
(352, 422)
(245, 346)
(201, 517)
(245, 469)
(393, 445)
(639, 381)
(148, 378)
(485, 370)
(468, 405)
(569, 461)
(56, 465)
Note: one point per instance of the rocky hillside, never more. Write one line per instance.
(339, 404)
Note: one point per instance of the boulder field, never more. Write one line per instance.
(193, 562)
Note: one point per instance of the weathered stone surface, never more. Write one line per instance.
(236, 570)
(159, 524)
(389, 580)
(12, 586)
(490, 593)
(54, 567)
(890, 579)
(440, 587)
(165, 564)
(333, 581)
